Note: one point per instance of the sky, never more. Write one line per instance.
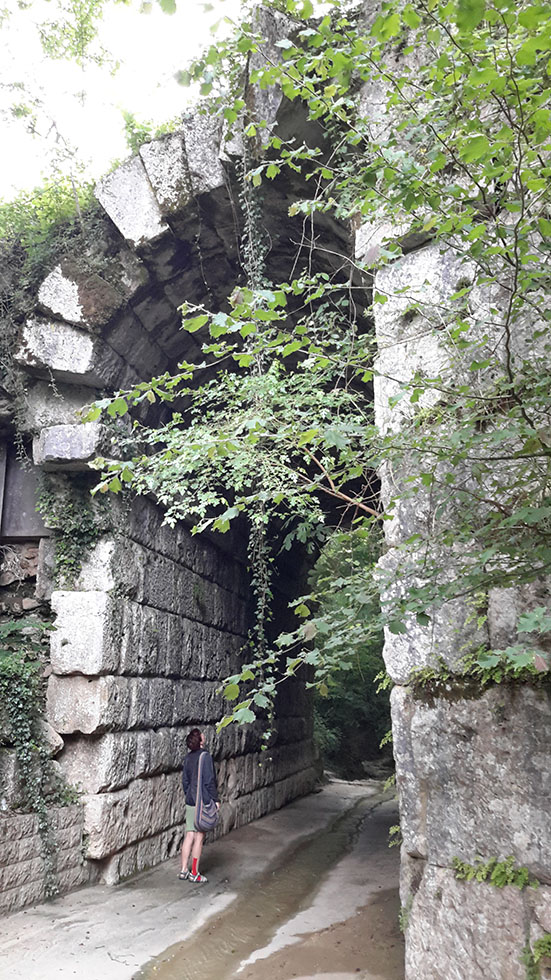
(87, 104)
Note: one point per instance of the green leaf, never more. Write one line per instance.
(469, 14)
(396, 626)
(93, 414)
(307, 437)
(244, 716)
(119, 406)
(410, 16)
(231, 692)
(168, 6)
(476, 148)
(195, 323)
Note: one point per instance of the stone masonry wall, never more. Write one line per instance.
(21, 866)
(472, 769)
(156, 618)
(156, 621)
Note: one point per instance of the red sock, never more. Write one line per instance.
(194, 866)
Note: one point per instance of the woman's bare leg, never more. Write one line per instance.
(187, 846)
(196, 850)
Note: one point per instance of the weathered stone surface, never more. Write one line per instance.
(44, 406)
(464, 930)
(69, 353)
(11, 793)
(128, 198)
(506, 605)
(129, 339)
(167, 168)
(111, 761)
(78, 296)
(46, 569)
(96, 705)
(202, 138)
(21, 867)
(23, 849)
(473, 776)
(451, 635)
(96, 572)
(158, 316)
(52, 739)
(408, 343)
(81, 642)
(69, 446)
(144, 808)
(145, 854)
(373, 235)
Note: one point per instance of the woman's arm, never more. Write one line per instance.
(186, 779)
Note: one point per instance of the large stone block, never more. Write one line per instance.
(97, 705)
(167, 168)
(78, 296)
(71, 447)
(144, 808)
(111, 761)
(46, 407)
(412, 341)
(128, 198)
(145, 854)
(505, 606)
(51, 347)
(473, 776)
(452, 634)
(11, 790)
(130, 340)
(464, 930)
(82, 640)
(202, 137)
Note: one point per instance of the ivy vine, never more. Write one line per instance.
(78, 521)
(22, 650)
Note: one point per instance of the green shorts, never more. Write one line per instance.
(190, 818)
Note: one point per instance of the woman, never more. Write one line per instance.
(193, 841)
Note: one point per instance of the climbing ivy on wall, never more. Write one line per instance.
(457, 155)
(22, 649)
(77, 520)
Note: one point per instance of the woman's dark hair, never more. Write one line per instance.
(193, 740)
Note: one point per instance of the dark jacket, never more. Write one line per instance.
(189, 777)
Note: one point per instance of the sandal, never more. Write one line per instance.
(198, 877)
(184, 875)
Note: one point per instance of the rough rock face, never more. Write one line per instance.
(471, 766)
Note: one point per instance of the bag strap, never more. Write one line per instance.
(199, 794)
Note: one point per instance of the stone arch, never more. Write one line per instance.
(154, 617)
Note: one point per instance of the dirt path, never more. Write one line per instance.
(327, 908)
(307, 891)
(342, 951)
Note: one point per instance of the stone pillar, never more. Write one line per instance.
(471, 764)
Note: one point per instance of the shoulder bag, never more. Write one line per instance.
(206, 814)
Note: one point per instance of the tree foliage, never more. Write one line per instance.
(440, 124)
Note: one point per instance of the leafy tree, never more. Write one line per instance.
(458, 156)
